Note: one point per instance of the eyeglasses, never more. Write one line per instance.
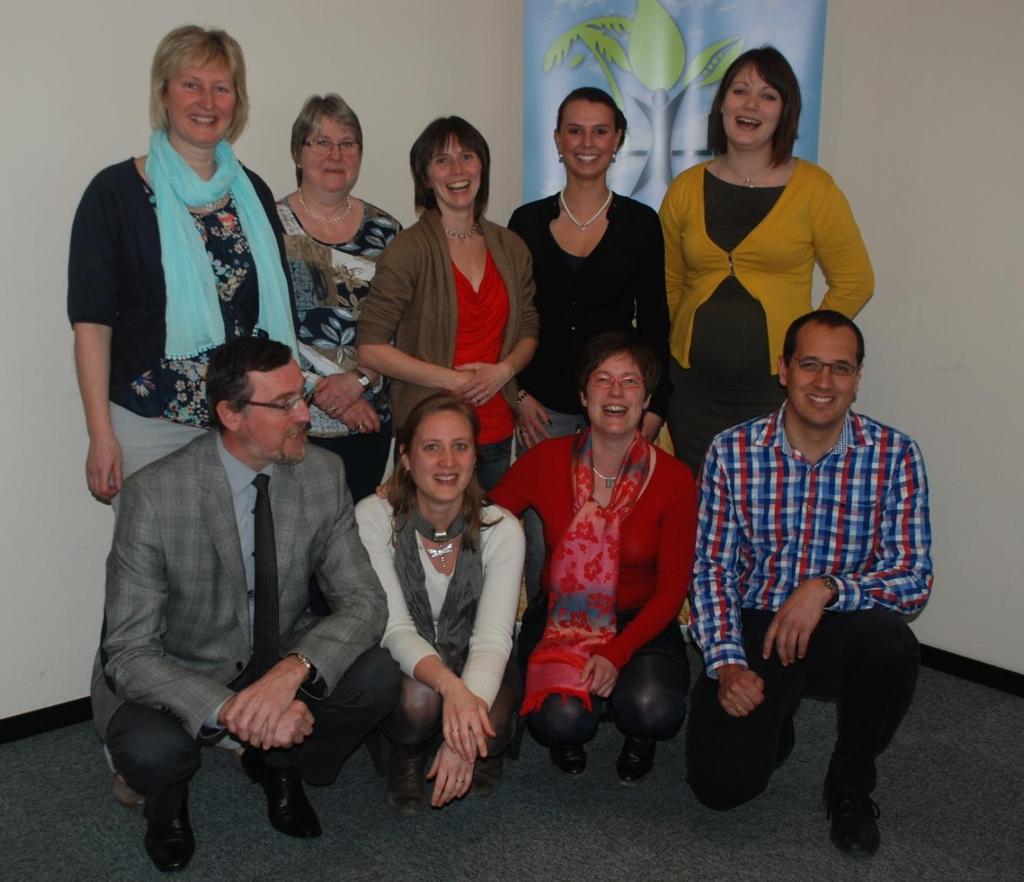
(626, 383)
(324, 146)
(838, 368)
(289, 406)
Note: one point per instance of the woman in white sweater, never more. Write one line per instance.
(451, 568)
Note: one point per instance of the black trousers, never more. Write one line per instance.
(868, 661)
(649, 698)
(158, 758)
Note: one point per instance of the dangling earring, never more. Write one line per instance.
(616, 153)
(560, 158)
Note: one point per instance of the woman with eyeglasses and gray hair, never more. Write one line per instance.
(172, 253)
(333, 241)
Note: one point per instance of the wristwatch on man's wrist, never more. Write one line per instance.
(364, 380)
(833, 585)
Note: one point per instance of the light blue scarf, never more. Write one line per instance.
(193, 317)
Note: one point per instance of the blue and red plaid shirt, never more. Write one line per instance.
(770, 519)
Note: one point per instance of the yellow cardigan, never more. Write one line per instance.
(775, 262)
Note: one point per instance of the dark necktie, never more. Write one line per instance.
(265, 627)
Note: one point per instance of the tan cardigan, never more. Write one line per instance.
(412, 301)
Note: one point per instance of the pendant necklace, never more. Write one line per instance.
(582, 225)
(323, 218)
(442, 553)
(608, 482)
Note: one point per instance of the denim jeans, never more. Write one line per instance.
(492, 461)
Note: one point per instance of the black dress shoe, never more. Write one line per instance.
(636, 759)
(170, 846)
(405, 779)
(287, 807)
(569, 758)
(854, 830)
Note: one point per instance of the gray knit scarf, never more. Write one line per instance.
(458, 612)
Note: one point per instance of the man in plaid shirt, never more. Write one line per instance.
(813, 548)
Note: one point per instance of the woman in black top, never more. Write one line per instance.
(171, 254)
(598, 265)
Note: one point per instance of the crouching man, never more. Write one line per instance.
(813, 547)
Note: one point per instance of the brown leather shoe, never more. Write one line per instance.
(405, 779)
(486, 776)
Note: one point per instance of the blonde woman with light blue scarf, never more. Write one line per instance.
(172, 253)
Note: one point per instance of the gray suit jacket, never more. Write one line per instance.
(177, 612)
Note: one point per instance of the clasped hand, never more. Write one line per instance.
(466, 724)
(483, 380)
(266, 714)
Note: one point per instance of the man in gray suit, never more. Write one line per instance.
(178, 665)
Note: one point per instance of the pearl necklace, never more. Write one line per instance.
(324, 219)
(451, 234)
(582, 225)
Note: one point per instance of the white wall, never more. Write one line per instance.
(76, 81)
(921, 127)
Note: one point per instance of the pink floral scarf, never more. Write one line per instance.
(584, 577)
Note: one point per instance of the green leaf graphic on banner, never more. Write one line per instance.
(656, 48)
(594, 34)
(709, 67)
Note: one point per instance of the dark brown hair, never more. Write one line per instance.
(435, 138)
(772, 67)
(603, 346)
(400, 487)
(828, 318)
(594, 96)
(226, 378)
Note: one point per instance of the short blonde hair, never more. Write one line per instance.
(193, 45)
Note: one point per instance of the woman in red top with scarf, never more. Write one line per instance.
(619, 522)
(454, 295)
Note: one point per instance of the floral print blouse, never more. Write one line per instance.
(331, 281)
(175, 389)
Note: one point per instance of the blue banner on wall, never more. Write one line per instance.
(661, 60)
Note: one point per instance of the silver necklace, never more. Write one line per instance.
(442, 553)
(608, 482)
(749, 181)
(324, 219)
(451, 234)
(582, 225)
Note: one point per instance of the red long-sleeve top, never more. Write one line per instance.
(657, 536)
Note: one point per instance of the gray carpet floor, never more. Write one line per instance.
(951, 791)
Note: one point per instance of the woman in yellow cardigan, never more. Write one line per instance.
(742, 235)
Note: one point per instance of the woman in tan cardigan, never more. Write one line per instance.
(451, 304)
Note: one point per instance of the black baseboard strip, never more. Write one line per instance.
(972, 670)
(45, 719)
(70, 712)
